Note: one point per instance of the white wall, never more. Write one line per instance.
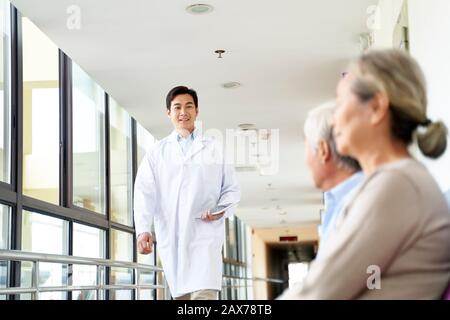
(429, 25)
(385, 21)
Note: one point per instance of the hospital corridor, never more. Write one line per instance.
(224, 150)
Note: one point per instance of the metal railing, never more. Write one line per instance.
(101, 267)
(237, 287)
(269, 280)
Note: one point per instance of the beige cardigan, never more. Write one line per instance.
(398, 220)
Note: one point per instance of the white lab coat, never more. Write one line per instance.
(173, 189)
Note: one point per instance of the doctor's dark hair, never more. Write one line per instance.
(181, 90)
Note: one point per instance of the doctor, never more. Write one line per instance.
(182, 180)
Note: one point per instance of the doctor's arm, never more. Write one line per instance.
(144, 205)
(230, 193)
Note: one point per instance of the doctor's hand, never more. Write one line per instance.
(145, 243)
(207, 216)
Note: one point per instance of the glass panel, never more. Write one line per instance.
(225, 249)
(4, 244)
(40, 115)
(88, 142)
(161, 294)
(121, 250)
(121, 180)
(87, 242)
(4, 226)
(241, 240)
(121, 245)
(44, 234)
(147, 294)
(121, 295)
(147, 278)
(144, 141)
(121, 276)
(3, 274)
(231, 239)
(5, 119)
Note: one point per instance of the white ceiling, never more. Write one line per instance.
(288, 55)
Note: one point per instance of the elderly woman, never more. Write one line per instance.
(392, 240)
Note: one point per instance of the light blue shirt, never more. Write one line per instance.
(334, 201)
(186, 142)
(447, 196)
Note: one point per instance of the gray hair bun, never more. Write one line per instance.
(433, 141)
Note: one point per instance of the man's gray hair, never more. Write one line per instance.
(318, 127)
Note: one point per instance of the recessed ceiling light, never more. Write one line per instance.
(199, 8)
(231, 85)
(246, 126)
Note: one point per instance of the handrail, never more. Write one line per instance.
(17, 255)
(256, 279)
(100, 264)
(37, 258)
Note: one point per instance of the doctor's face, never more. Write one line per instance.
(183, 112)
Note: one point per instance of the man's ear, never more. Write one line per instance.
(196, 111)
(324, 151)
(168, 113)
(379, 107)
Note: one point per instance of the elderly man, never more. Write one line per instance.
(334, 174)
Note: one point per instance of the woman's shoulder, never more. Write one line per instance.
(408, 179)
(403, 172)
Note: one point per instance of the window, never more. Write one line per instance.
(4, 244)
(144, 141)
(4, 226)
(88, 142)
(37, 231)
(242, 240)
(121, 164)
(87, 242)
(147, 277)
(121, 250)
(5, 147)
(249, 262)
(231, 241)
(40, 115)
